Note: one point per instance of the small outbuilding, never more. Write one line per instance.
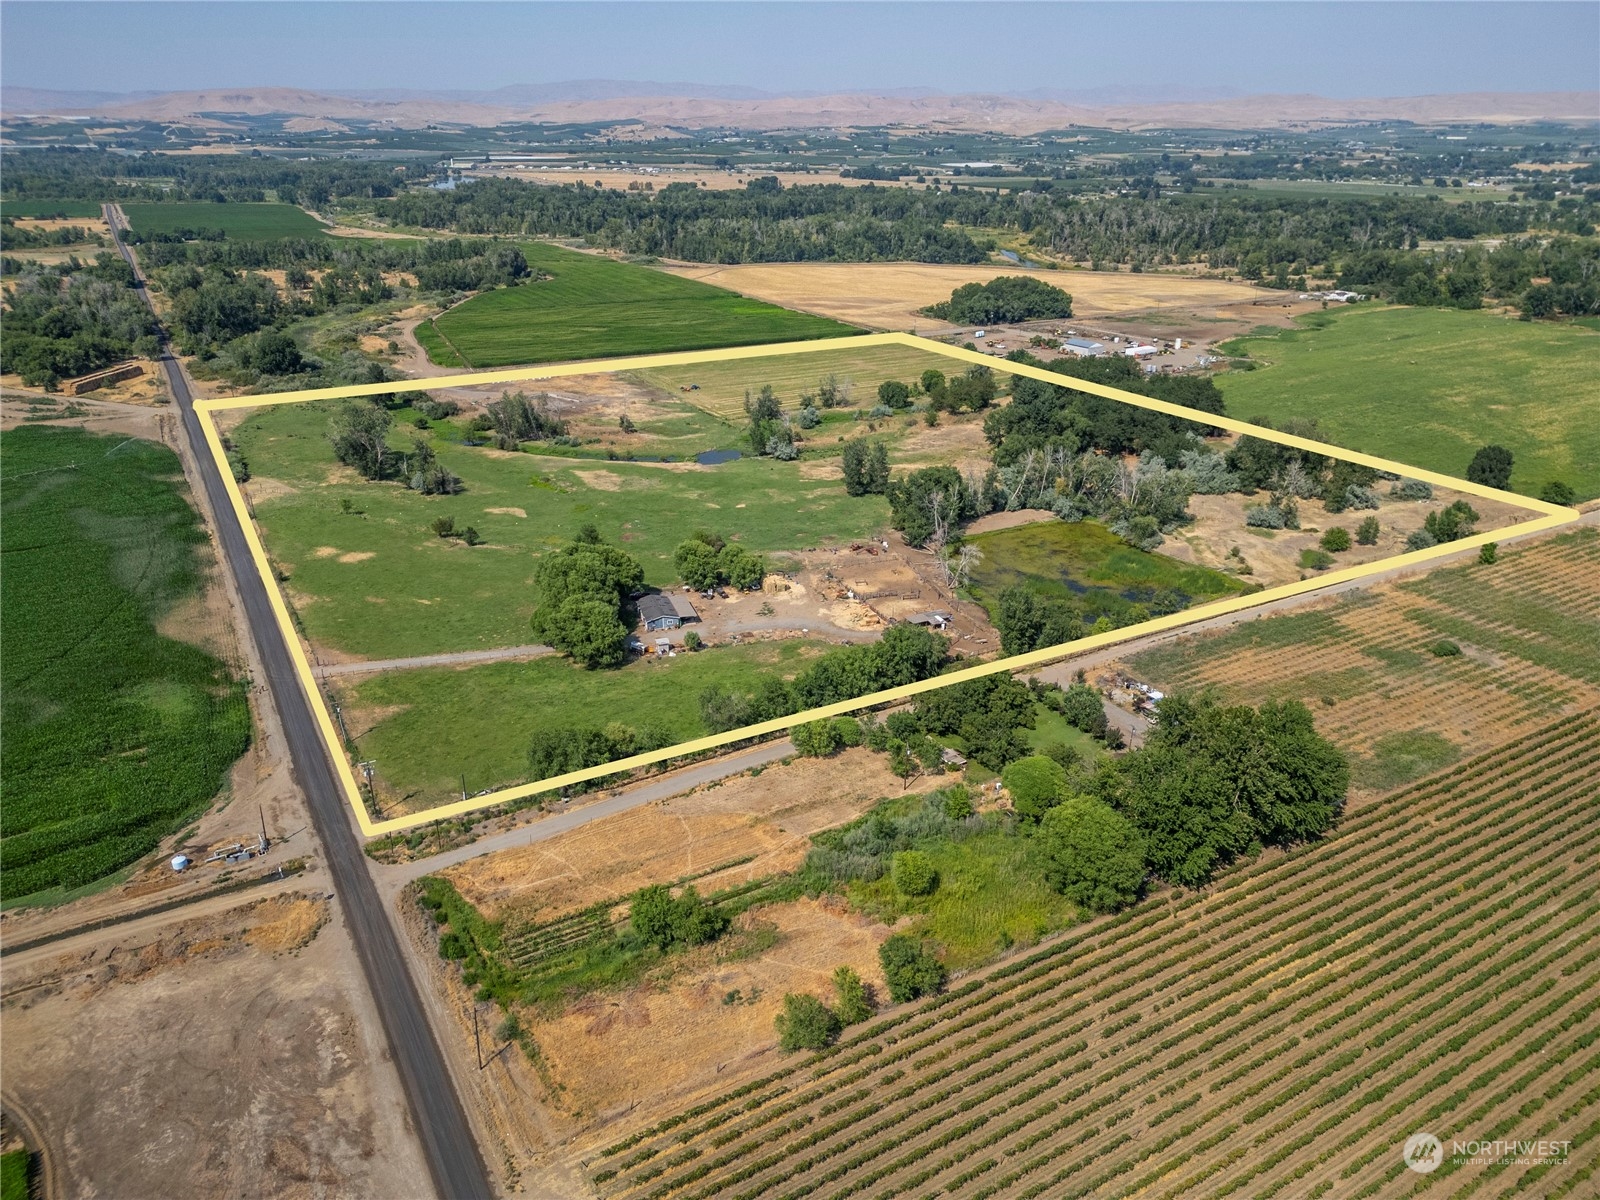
(933, 620)
(1083, 347)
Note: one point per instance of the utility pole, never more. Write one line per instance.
(263, 815)
(477, 1042)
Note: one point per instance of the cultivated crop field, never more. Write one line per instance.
(113, 733)
(594, 307)
(1280, 1034)
(1430, 385)
(1528, 627)
(241, 222)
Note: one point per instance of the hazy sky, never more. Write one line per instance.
(1339, 49)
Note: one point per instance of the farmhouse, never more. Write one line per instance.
(668, 611)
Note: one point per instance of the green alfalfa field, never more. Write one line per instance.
(1429, 386)
(589, 306)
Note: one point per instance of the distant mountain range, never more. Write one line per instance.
(701, 106)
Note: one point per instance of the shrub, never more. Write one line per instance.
(958, 803)
(1556, 492)
(855, 1004)
(1036, 784)
(471, 536)
(816, 739)
(1336, 539)
(1357, 496)
(913, 873)
(509, 1029)
(1094, 855)
(909, 968)
(1452, 522)
(1263, 516)
(691, 641)
(444, 526)
(1445, 648)
(1367, 532)
(1421, 539)
(1488, 552)
(1411, 489)
(1315, 560)
(806, 1023)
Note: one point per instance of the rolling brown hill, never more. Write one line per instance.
(1001, 114)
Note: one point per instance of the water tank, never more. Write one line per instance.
(180, 862)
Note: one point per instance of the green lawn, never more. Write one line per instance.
(113, 734)
(241, 222)
(1085, 561)
(594, 307)
(1428, 386)
(378, 583)
(438, 723)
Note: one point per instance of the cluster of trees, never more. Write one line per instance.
(806, 1023)
(1212, 783)
(1043, 415)
(768, 430)
(583, 590)
(761, 223)
(670, 922)
(707, 560)
(1027, 621)
(866, 468)
(359, 433)
(162, 178)
(556, 749)
(1005, 300)
(73, 319)
(905, 654)
(1462, 277)
(516, 418)
(19, 237)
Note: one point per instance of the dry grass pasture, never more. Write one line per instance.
(889, 295)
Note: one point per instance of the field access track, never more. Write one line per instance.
(1431, 966)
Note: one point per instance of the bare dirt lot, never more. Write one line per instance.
(224, 1054)
(889, 295)
(766, 818)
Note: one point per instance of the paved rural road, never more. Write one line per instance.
(441, 1123)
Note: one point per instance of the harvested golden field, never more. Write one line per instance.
(888, 295)
(1526, 631)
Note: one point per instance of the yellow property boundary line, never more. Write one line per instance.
(1549, 516)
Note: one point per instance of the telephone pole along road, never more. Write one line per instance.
(441, 1122)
